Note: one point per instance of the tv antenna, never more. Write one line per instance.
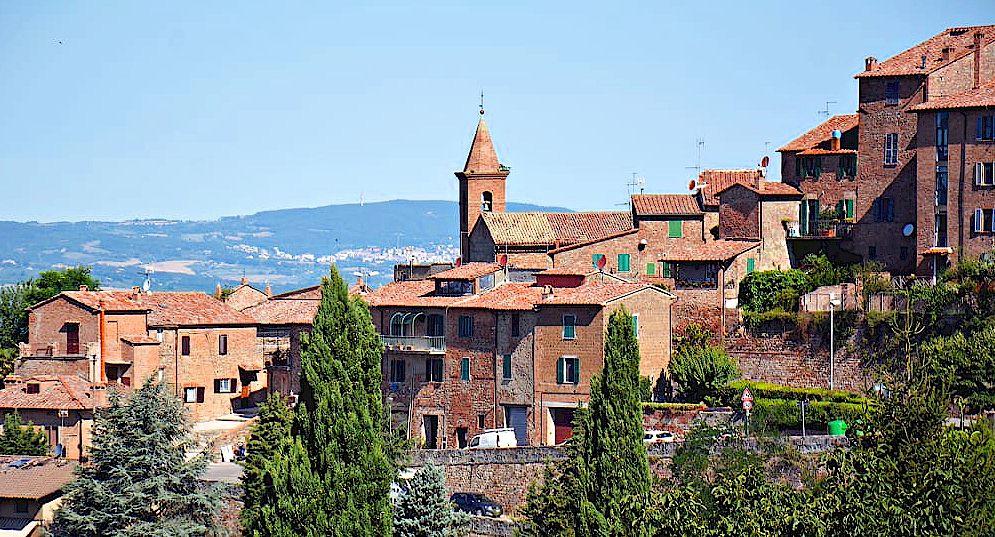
(699, 146)
(826, 111)
(147, 283)
(636, 184)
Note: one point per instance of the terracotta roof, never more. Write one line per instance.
(666, 204)
(482, 158)
(982, 97)
(719, 180)
(819, 151)
(191, 309)
(769, 188)
(411, 293)
(593, 241)
(720, 250)
(909, 61)
(507, 296)
(140, 340)
(111, 300)
(566, 271)
(56, 392)
(285, 311)
(33, 478)
(550, 229)
(307, 293)
(823, 132)
(467, 271)
(595, 293)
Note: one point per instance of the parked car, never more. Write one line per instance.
(476, 504)
(658, 437)
(494, 438)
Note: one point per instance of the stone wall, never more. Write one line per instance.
(779, 359)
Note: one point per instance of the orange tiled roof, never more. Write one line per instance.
(285, 311)
(982, 97)
(720, 250)
(467, 271)
(38, 478)
(412, 293)
(191, 309)
(719, 180)
(140, 340)
(592, 241)
(909, 61)
(529, 261)
(579, 227)
(666, 204)
(596, 293)
(566, 271)
(820, 151)
(111, 300)
(550, 229)
(823, 132)
(56, 392)
(307, 293)
(508, 296)
(769, 188)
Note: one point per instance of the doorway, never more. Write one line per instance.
(431, 424)
(516, 417)
(563, 427)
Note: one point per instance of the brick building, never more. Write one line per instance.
(205, 350)
(59, 405)
(469, 349)
(281, 321)
(31, 493)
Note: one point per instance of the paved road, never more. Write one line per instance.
(225, 472)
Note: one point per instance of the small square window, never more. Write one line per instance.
(465, 326)
(481, 423)
(433, 370)
(568, 370)
(32, 387)
(891, 92)
(193, 394)
(397, 370)
(224, 385)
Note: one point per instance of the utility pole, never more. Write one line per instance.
(833, 302)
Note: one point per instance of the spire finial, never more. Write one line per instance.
(481, 102)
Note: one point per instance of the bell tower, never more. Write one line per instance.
(481, 185)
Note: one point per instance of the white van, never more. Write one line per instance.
(494, 438)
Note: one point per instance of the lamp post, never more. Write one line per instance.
(833, 303)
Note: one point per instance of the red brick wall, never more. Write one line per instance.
(739, 214)
(471, 188)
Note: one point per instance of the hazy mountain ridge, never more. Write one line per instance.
(287, 248)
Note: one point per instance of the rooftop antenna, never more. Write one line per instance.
(700, 144)
(634, 184)
(826, 111)
(481, 102)
(147, 284)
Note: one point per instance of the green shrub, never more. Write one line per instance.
(779, 414)
(765, 290)
(676, 407)
(758, 320)
(730, 393)
(701, 372)
(822, 272)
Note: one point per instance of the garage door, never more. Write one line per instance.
(517, 418)
(563, 424)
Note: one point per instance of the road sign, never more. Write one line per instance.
(747, 399)
(747, 405)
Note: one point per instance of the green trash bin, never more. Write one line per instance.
(837, 428)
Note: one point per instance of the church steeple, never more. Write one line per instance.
(481, 185)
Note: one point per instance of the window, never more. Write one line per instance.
(32, 387)
(941, 185)
(185, 345)
(635, 324)
(465, 326)
(891, 149)
(799, 168)
(159, 335)
(984, 173)
(903, 253)
(436, 325)
(984, 220)
(751, 265)
(480, 420)
(223, 344)
(569, 326)
(595, 258)
(986, 128)
(940, 234)
(454, 287)
(651, 269)
(942, 134)
(668, 269)
(883, 209)
(72, 338)
(516, 325)
(224, 385)
(675, 229)
(623, 262)
(464, 368)
(486, 282)
(21, 506)
(568, 370)
(847, 166)
(397, 371)
(486, 202)
(872, 252)
(433, 370)
(891, 92)
(506, 367)
(844, 209)
(193, 394)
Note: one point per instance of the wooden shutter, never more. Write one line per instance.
(849, 208)
(623, 262)
(506, 366)
(675, 229)
(751, 265)
(666, 269)
(559, 370)
(464, 368)
(978, 171)
(980, 127)
(651, 269)
(576, 379)
(979, 220)
(803, 216)
(200, 394)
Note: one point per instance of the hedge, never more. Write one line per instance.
(673, 406)
(730, 393)
(770, 289)
(779, 414)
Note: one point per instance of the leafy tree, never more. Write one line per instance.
(767, 290)
(269, 437)
(699, 368)
(20, 439)
(52, 282)
(138, 481)
(424, 509)
(603, 486)
(967, 364)
(822, 272)
(334, 476)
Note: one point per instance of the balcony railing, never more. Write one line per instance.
(829, 228)
(430, 344)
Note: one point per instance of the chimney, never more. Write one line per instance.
(945, 53)
(870, 63)
(922, 62)
(837, 136)
(84, 288)
(218, 291)
(245, 281)
(135, 291)
(269, 290)
(977, 59)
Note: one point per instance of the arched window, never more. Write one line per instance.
(486, 202)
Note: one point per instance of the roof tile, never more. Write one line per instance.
(981, 97)
(666, 204)
(909, 61)
(822, 133)
(719, 180)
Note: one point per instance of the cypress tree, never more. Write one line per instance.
(138, 481)
(19, 439)
(334, 477)
(269, 436)
(602, 487)
(424, 509)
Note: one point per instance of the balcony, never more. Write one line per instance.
(426, 344)
(822, 229)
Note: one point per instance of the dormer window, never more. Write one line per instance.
(486, 202)
(32, 387)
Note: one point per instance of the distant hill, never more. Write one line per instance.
(287, 248)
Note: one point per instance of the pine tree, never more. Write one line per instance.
(334, 477)
(20, 439)
(424, 509)
(138, 481)
(602, 487)
(269, 436)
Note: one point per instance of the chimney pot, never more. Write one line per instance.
(870, 62)
(945, 53)
(136, 290)
(84, 288)
(269, 290)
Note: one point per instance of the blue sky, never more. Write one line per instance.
(203, 109)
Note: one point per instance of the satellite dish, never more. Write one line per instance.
(602, 261)
(692, 185)
(503, 260)
(765, 161)
(459, 262)
(908, 230)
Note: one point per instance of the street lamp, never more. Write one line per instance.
(833, 304)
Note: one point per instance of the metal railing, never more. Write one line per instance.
(415, 343)
(826, 228)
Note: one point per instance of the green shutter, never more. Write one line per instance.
(751, 265)
(576, 379)
(840, 209)
(818, 167)
(849, 209)
(651, 269)
(675, 229)
(559, 371)
(635, 325)
(464, 369)
(666, 269)
(506, 366)
(803, 217)
(623, 262)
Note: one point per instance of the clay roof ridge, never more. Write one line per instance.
(592, 241)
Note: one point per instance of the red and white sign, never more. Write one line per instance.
(747, 399)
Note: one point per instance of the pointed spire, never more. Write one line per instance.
(482, 157)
